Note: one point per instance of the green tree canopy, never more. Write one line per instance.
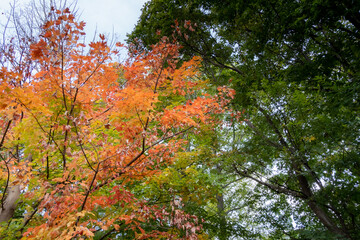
(295, 68)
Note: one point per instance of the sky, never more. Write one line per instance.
(108, 16)
(105, 16)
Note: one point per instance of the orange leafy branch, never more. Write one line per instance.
(96, 130)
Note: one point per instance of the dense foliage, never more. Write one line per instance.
(83, 136)
(289, 166)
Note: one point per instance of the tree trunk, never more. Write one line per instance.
(221, 212)
(222, 217)
(320, 213)
(9, 206)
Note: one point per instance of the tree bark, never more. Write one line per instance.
(320, 213)
(9, 206)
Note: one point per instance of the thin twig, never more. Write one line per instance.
(82, 148)
(88, 192)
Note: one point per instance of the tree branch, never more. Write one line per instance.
(5, 132)
(276, 188)
(7, 183)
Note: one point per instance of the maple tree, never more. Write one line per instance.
(80, 131)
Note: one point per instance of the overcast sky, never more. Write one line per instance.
(119, 16)
(107, 16)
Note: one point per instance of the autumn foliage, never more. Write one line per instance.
(80, 129)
